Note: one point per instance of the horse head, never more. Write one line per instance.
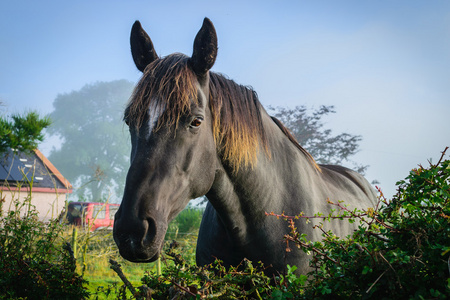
(173, 149)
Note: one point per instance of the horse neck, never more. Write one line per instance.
(241, 198)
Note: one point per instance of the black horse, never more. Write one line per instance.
(195, 133)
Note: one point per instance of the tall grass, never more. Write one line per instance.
(99, 247)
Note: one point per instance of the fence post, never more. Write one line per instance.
(74, 242)
(158, 266)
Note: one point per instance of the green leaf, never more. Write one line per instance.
(366, 270)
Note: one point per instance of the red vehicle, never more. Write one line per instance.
(92, 215)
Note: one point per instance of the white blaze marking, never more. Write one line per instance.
(154, 113)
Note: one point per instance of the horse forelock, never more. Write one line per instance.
(169, 86)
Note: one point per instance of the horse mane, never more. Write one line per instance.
(169, 85)
(295, 142)
(237, 122)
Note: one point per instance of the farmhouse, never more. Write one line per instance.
(22, 175)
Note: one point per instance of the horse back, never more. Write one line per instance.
(353, 183)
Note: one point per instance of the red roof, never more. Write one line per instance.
(53, 169)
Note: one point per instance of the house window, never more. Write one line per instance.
(99, 212)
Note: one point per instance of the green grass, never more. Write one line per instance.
(94, 249)
(104, 283)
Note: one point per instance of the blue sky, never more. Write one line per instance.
(384, 65)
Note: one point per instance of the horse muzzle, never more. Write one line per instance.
(139, 240)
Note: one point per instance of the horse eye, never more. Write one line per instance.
(196, 122)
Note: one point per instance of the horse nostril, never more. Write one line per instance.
(151, 231)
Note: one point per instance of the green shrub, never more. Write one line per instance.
(400, 251)
(187, 222)
(34, 263)
(184, 281)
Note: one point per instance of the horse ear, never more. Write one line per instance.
(141, 47)
(205, 49)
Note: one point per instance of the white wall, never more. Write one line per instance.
(48, 204)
